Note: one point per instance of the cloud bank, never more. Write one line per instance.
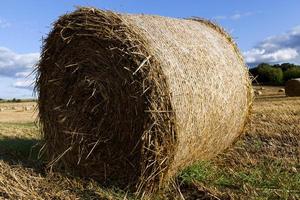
(24, 84)
(18, 66)
(13, 64)
(276, 49)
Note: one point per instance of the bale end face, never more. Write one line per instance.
(99, 92)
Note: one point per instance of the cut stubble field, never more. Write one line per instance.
(264, 163)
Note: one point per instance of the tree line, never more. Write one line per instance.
(276, 74)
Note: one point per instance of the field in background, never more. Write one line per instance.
(21, 112)
(263, 164)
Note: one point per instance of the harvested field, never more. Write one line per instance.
(262, 164)
(18, 112)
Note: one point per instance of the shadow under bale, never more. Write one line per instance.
(133, 99)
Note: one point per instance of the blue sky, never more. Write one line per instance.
(265, 30)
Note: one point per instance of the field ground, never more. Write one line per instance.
(263, 164)
(18, 112)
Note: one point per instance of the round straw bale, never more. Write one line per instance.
(27, 108)
(133, 99)
(258, 93)
(292, 87)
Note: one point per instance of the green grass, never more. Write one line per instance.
(18, 125)
(26, 148)
(268, 179)
(22, 142)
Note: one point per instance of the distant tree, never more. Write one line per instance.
(287, 66)
(291, 73)
(15, 100)
(269, 74)
(255, 71)
(275, 74)
(277, 66)
(264, 65)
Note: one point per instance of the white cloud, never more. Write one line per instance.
(295, 30)
(23, 74)
(235, 16)
(277, 49)
(24, 84)
(18, 67)
(4, 23)
(280, 55)
(13, 64)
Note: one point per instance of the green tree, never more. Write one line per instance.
(275, 74)
(287, 66)
(292, 73)
(269, 74)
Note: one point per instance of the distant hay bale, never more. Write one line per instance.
(133, 99)
(292, 87)
(27, 108)
(2, 109)
(258, 93)
(281, 90)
